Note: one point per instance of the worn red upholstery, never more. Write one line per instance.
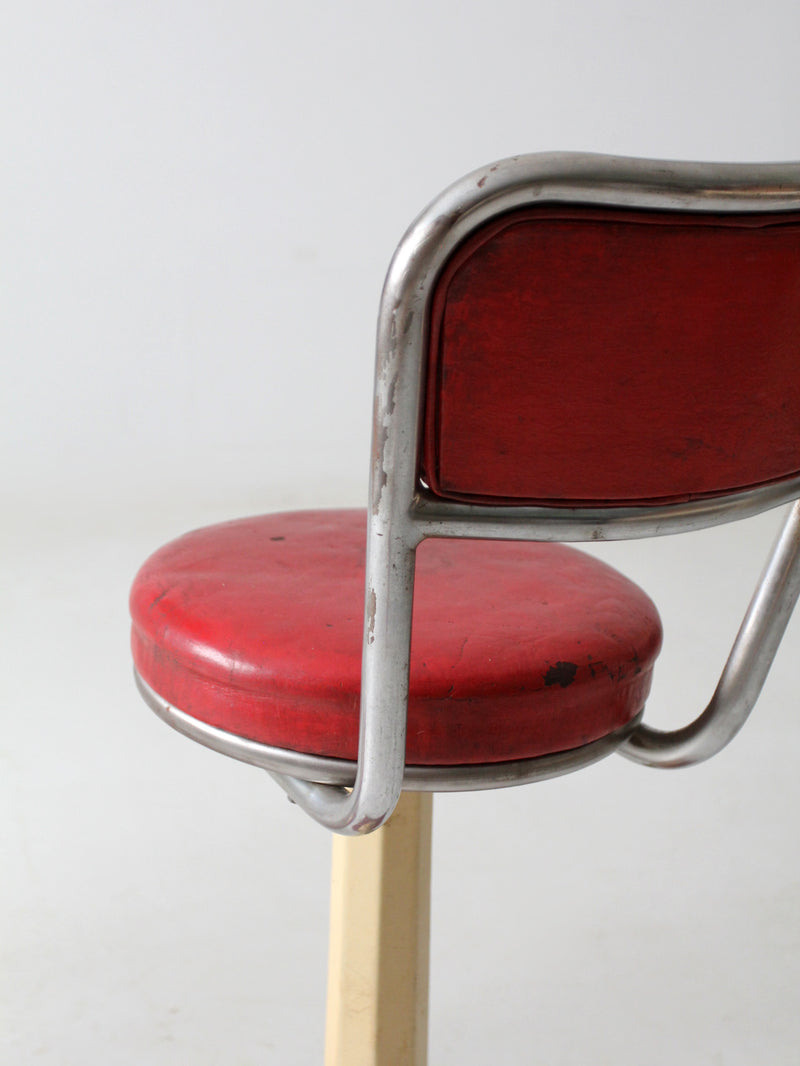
(518, 650)
(596, 354)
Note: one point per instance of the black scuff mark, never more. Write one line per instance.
(561, 673)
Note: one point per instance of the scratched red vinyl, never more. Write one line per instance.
(518, 650)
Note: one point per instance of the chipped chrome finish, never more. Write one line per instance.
(342, 773)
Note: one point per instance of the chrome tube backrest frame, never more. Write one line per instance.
(402, 512)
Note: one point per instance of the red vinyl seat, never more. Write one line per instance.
(518, 650)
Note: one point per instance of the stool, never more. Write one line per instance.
(570, 348)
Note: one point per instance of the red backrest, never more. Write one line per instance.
(605, 355)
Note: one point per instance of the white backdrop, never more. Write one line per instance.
(198, 205)
(200, 201)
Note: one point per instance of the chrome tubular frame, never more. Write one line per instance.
(402, 512)
(745, 671)
(342, 773)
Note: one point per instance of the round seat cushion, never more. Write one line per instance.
(518, 649)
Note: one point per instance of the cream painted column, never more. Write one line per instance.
(379, 942)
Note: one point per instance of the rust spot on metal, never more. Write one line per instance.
(371, 608)
(562, 674)
(366, 825)
(483, 180)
